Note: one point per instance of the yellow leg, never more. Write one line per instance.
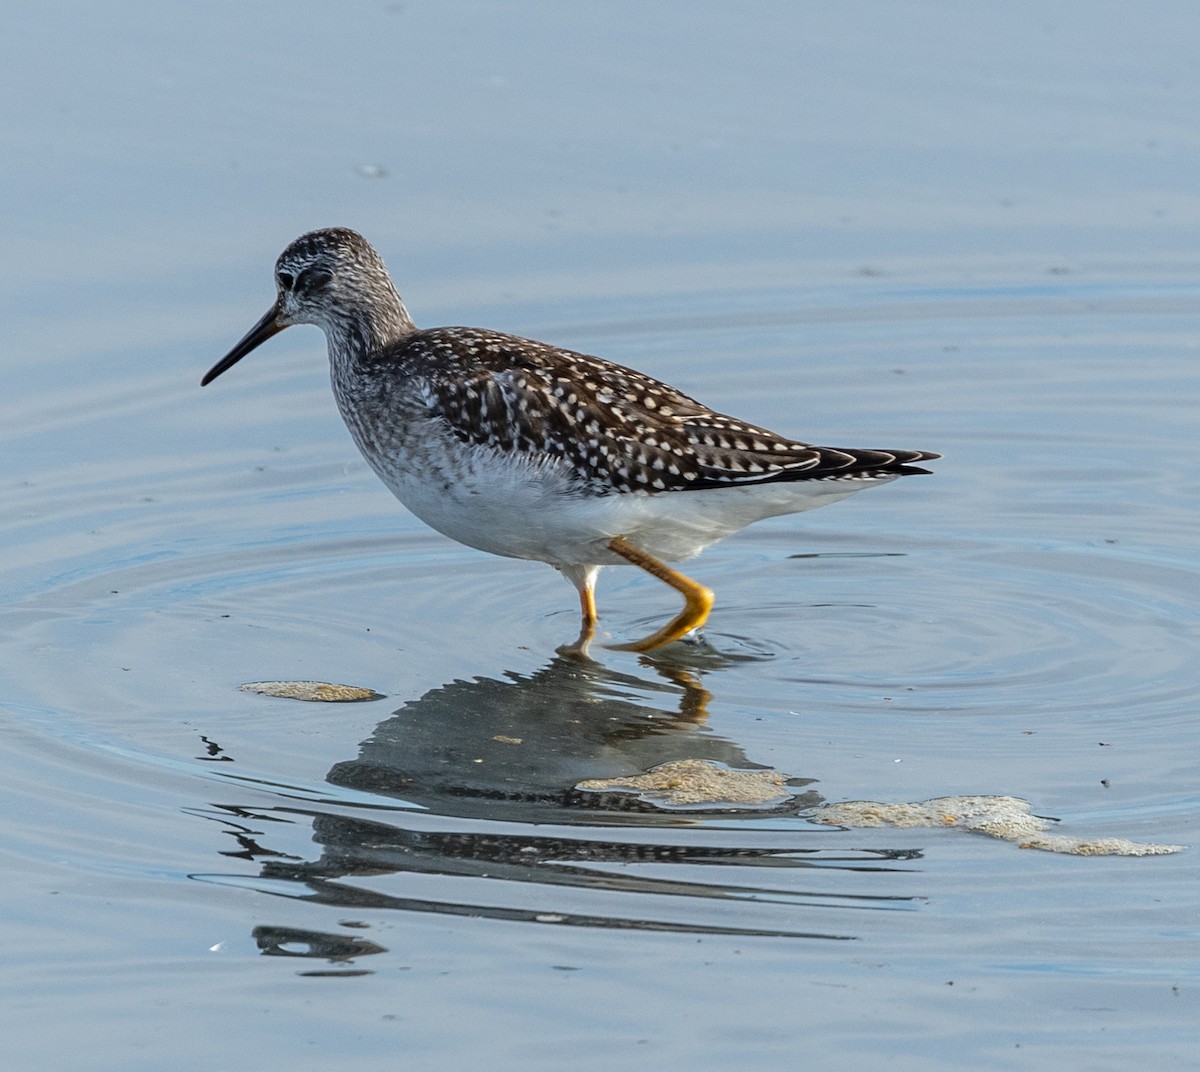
(585, 583)
(587, 605)
(698, 600)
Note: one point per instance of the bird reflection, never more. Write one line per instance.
(491, 765)
(514, 748)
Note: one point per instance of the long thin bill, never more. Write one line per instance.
(256, 336)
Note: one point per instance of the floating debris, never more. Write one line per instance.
(692, 783)
(1007, 818)
(312, 691)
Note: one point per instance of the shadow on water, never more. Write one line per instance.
(474, 811)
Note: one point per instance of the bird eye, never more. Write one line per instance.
(286, 280)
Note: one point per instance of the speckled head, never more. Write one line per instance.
(332, 278)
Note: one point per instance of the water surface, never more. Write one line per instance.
(201, 877)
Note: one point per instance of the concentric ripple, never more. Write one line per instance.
(1029, 610)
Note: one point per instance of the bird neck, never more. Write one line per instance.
(356, 337)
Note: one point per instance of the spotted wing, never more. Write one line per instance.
(615, 428)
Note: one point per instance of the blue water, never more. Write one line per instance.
(885, 225)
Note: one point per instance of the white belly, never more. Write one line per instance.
(507, 505)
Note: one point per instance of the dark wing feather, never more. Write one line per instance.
(617, 429)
